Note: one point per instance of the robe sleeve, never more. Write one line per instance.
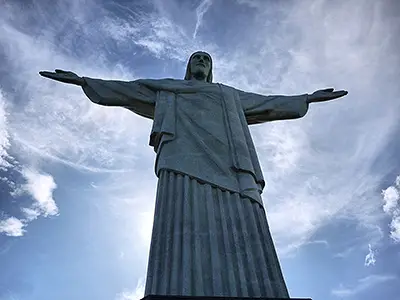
(132, 95)
(259, 109)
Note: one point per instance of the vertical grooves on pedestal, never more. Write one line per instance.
(237, 248)
(227, 239)
(262, 268)
(215, 261)
(198, 270)
(187, 240)
(209, 242)
(248, 256)
(177, 235)
(167, 241)
(278, 286)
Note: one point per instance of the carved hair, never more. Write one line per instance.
(188, 74)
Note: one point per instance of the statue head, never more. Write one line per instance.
(199, 66)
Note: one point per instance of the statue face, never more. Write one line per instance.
(200, 64)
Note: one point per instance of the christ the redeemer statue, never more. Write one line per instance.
(210, 233)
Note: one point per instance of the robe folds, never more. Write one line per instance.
(210, 233)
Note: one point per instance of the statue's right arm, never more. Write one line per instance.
(132, 95)
(129, 94)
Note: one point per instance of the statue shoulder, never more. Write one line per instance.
(226, 87)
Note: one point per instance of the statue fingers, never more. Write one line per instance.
(61, 77)
(338, 94)
(326, 95)
(59, 71)
(47, 74)
(332, 95)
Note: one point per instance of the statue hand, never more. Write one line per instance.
(64, 76)
(325, 95)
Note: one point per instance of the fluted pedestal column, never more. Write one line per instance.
(156, 297)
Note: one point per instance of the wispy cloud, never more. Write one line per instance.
(136, 294)
(345, 253)
(370, 257)
(320, 173)
(251, 3)
(308, 186)
(362, 285)
(200, 11)
(321, 170)
(39, 186)
(4, 135)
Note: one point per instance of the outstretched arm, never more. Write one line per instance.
(129, 94)
(260, 109)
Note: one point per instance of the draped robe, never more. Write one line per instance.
(210, 233)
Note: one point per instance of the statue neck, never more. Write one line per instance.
(199, 77)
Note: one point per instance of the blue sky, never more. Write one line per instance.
(77, 185)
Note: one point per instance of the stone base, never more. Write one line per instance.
(159, 297)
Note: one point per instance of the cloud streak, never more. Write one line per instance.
(362, 285)
(200, 11)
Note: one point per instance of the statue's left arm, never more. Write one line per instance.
(259, 108)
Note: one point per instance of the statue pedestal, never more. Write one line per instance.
(159, 297)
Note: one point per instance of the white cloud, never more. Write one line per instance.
(12, 227)
(40, 187)
(136, 294)
(395, 229)
(391, 206)
(30, 214)
(391, 197)
(362, 285)
(370, 257)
